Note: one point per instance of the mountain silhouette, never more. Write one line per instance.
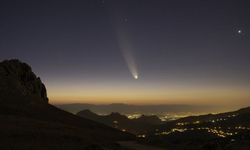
(122, 122)
(142, 109)
(28, 121)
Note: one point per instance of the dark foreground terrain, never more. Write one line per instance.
(50, 128)
(28, 121)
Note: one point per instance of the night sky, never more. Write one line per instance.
(133, 51)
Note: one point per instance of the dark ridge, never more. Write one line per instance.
(28, 121)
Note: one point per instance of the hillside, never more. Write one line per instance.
(28, 121)
(227, 131)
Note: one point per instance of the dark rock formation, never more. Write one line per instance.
(19, 85)
(28, 121)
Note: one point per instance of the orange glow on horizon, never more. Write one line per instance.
(149, 96)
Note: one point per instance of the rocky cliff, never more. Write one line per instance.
(19, 85)
(28, 121)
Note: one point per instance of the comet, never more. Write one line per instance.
(124, 40)
(127, 52)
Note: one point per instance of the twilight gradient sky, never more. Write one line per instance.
(87, 51)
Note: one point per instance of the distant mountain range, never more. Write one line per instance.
(28, 121)
(142, 109)
(122, 122)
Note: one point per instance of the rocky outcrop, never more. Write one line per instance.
(19, 85)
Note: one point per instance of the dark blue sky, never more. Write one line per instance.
(177, 45)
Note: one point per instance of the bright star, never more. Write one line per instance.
(239, 31)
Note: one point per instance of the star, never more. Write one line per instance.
(239, 31)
